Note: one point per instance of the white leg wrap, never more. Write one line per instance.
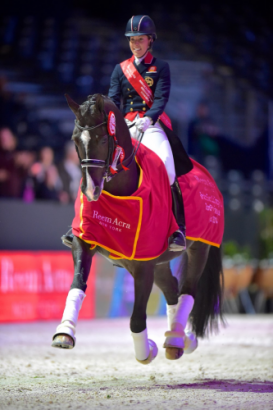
(177, 316)
(184, 308)
(73, 305)
(141, 344)
(171, 311)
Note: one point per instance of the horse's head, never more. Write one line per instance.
(94, 145)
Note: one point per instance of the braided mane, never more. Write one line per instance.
(94, 104)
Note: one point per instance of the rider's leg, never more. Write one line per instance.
(156, 140)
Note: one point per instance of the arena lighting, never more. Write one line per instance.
(234, 204)
(234, 176)
(234, 189)
(257, 190)
(258, 205)
(258, 176)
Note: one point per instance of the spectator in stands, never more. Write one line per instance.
(70, 172)
(14, 166)
(202, 134)
(205, 139)
(47, 182)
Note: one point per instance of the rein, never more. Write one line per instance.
(98, 163)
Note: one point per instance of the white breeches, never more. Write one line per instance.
(157, 141)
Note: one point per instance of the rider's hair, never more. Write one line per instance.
(151, 43)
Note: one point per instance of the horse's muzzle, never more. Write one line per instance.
(95, 196)
(97, 192)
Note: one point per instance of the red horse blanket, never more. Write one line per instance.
(204, 208)
(138, 226)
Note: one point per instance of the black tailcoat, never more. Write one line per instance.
(157, 75)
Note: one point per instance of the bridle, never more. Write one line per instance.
(98, 163)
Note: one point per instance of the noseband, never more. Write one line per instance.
(98, 163)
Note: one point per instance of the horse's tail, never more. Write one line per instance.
(207, 308)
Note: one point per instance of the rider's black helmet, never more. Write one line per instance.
(139, 26)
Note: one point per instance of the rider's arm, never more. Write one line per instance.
(115, 87)
(161, 94)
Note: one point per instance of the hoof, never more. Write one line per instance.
(174, 344)
(63, 342)
(152, 354)
(191, 342)
(173, 353)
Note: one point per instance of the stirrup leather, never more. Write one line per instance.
(67, 239)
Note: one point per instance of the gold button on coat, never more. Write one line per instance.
(144, 102)
(144, 109)
(131, 102)
(131, 109)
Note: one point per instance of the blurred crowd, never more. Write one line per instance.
(206, 139)
(31, 175)
(36, 175)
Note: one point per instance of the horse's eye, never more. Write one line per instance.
(104, 140)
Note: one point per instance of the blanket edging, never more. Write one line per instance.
(217, 245)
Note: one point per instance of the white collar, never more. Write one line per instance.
(138, 60)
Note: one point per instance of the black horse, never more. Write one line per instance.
(197, 294)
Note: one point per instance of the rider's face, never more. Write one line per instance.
(139, 45)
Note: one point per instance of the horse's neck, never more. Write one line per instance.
(126, 182)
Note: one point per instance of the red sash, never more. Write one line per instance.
(141, 87)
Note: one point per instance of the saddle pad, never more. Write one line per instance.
(134, 227)
(204, 208)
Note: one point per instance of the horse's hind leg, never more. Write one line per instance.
(192, 266)
(169, 285)
(64, 336)
(166, 282)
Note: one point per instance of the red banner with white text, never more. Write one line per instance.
(34, 286)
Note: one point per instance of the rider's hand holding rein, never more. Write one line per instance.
(142, 124)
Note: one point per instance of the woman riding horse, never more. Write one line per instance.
(124, 214)
(144, 103)
(143, 109)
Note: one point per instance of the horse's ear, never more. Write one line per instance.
(99, 103)
(72, 105)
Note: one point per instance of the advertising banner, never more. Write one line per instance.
(34, 286)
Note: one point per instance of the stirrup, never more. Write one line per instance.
(177, 241)
(67, 239)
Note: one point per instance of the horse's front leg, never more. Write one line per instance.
(65, 332)
(145, 349)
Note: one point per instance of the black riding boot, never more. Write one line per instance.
(68, 238)
(178, 239)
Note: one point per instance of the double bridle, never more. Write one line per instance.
(98, 163)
